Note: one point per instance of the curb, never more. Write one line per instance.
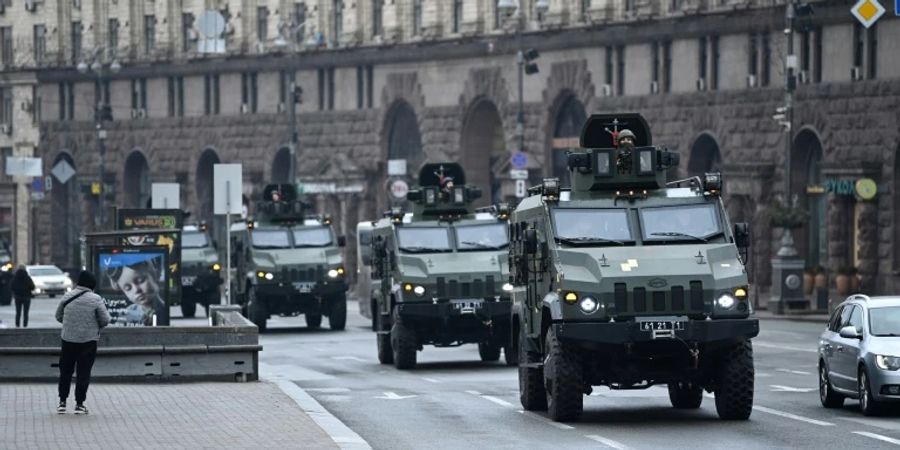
(341, 434)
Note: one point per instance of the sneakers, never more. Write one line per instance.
(61, 408)
(80, 409)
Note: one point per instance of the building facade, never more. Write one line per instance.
(429, 80)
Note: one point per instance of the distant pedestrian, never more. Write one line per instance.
(22, 290)
(82, 313)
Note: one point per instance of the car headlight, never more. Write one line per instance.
(507, 287)
(589, 305)
(726, 301)
(419, 290)
(887, 362)
(333, 273)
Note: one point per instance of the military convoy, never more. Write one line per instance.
(628, 281)
(201, 270)
(288, 262)
(441, 273)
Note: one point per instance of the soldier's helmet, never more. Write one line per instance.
(626, 133)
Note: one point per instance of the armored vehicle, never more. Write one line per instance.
(289, 262)
(364, 289)
(441, 272)
(627, 281)
(201, 270)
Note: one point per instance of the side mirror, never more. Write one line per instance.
(742, 235)
(530, 239)
(342, 241)
(850, 332)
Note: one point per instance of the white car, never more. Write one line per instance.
(49, 280)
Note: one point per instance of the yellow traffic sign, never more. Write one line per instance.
(867, 12)
(866, 188)
(95, 188)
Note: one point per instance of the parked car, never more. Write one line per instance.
(859, 354)
(49, 280)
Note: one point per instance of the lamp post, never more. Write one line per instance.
(294, 96)
(524, 58)
(102, 112)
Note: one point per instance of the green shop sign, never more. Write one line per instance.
(864, 188)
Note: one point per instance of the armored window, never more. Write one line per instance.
(423, 239)
(683, 223)
(312, 237)
(194, 240)
(592, 226)
(492, 236)
(270, 238)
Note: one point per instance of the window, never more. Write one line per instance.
(675, 5)
(858, 45)
(423, 239)
(702, 58)
(211, 95)
(312, 237)
(338, 25)
(766, 75)
(585, 10)
(377, 17)
(330, 88)
(139, 94)
(856, 320)
(667, 66)
(360, 87)
(591, 226)
(457, 15)
(37, 103)
(884, 321)
(299, 22)
(805, 50)
(687, 223)
(872, 49)
(753, 55)
(149, 34)
(40, 43)
(482, 237)
(6, 106)
(112, 38)
(629, 5)
(262, 24)
(250, 91)
(834, 323)
(7, 57)
(817, 56)
(76, 42)
(620, 74)
(187, 29)
(714, 75)
(321, 75)
(176, 96)
(283, 87)
(610, 67)
(370, 89)
(5, 153)
(171, 92)
(62, 101)
(417, 17)
(654, 72)
(66, 101)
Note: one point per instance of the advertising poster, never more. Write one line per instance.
(157, 219)
(134, 283)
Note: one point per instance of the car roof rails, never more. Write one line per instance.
(862, 297)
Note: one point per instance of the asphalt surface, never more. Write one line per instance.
(452, 400)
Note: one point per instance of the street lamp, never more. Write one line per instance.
(102, 112)
(524, 58)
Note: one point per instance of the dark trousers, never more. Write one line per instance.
(76, 354)
(22, 306)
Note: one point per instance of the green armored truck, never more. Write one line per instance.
(627, 281)
(289, 262)
(201, 271)
(441, 272)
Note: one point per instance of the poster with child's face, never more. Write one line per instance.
(133, 283)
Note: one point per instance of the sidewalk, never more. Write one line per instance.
(256, 415)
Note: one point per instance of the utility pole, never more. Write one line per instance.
(790, 83)
(295, 92)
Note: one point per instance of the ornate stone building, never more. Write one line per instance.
(438, 80)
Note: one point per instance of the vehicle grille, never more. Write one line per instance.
(310, 274)
(672, 301)
(478, 288)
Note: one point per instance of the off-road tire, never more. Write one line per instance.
(511, 351)
(828, 396)
(489, 352)
(532, 393)
(257, 311)
(563, 381)
(734, 387)
(337, 317)
(313, 320)
(867, 404)
(188, 308)
(382, 340)
(685, 395)
(403, 344)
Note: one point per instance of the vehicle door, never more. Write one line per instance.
(844, 362)
(827, 340)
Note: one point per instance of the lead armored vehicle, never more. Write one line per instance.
(441, 272)
(628, 281)
(289, 262)
(201, 271)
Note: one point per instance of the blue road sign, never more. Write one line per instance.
(37, 185)
(897, 7)
(520, 160)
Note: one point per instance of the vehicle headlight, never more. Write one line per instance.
(419, 290)
(726, 301)
(333, 273)
(589, 305)
(267, 275)
(507, 287)
(216, 267)
(67, 282)
(887, 362)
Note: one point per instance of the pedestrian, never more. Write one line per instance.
(82, 314)
(22, 290)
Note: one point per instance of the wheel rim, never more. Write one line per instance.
(863, 392)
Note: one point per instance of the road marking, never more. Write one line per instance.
(887, 424)
(784, 347)
(431, 380)
(795, 372)
(878, 436)
(780, 388)
(788, 415)
(348, 358)
(561, 426)
(491, 398)
(607, 442)
(394, 396)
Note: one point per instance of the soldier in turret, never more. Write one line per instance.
(625, 139)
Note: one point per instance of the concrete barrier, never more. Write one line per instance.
(227, 350)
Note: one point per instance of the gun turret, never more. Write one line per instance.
(280, 203)
(443, 192)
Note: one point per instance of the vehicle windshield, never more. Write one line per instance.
(885, 321)
(193, 239)
(423, 239)
(312, 237)
(690, 223)
(480, 237)
(592, 226)
(270, 239)
(43, 271)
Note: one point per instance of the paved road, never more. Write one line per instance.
(452, 400)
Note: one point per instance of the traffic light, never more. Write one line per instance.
(527, 59)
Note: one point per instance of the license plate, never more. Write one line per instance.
(674, 325)
(188, 281)
(304, 288)
(467, 306)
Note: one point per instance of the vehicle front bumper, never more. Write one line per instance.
(300, 288)
(880, 383)
(612, 333)
(493, 310)
(54, 290)
(206, 282)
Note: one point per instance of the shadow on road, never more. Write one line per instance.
(462, 366)
(635, 415)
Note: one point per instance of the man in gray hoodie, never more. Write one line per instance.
(82, 314)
